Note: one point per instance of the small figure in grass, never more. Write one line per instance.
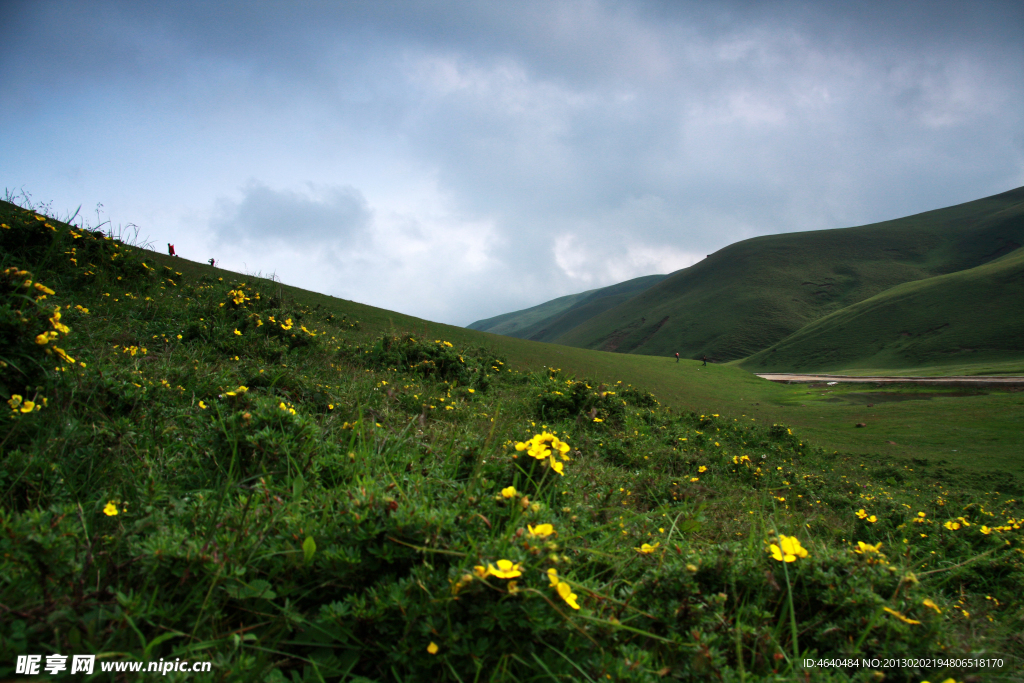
(212, 262)
(677, 356)
(705, 359)
(170, 249)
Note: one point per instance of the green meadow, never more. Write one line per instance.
(212, 466)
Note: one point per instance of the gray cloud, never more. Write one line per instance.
(533, 148)
(334, 216)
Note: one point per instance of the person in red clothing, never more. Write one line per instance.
(677, 356)
(170, 249)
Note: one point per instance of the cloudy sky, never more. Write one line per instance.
(457, 160)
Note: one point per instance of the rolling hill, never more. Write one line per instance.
(551, 319)
(962, 316)
(756, 293)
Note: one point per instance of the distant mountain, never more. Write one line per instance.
(755, 294)
(548, 320)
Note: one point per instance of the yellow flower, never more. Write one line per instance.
(202, 405)
(647, 549)
(702, 469)
(43, 288)
(480, 571)
(868, 549)
(565, 591)
(237, 332)
(899, 616)
(952, 526)
(110, 510)
(505, 570)
(63, 356)
(541, 530)
(928, 602)
(790, 549)
(553, 577)
(432, 648)
(872, 519)
(508, 492)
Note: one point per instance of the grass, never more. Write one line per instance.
(966, 315)
(294, 487)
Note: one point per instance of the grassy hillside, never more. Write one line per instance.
(513, 323)
(755, 293)
(596, 302)
(208, 467)
(548, 320)
(973, 315)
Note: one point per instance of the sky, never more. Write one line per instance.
(458, 160)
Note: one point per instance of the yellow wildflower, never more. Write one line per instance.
(788, 549)
(505, 570)
(541, 530)
(565, 592)
(899, 616)
(553, 576)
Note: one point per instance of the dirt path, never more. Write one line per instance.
(955, 381)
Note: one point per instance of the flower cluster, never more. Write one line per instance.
(19, 404)
(872, 553)
(871, 519)
(548, 447)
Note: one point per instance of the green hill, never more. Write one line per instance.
(512, 324)
(595, 303)
(550, 319)
(971, 316)
(753, 294)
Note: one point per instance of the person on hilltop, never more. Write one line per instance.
(705, 359)
(212, 262)
(677, 356)
(170, 249)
